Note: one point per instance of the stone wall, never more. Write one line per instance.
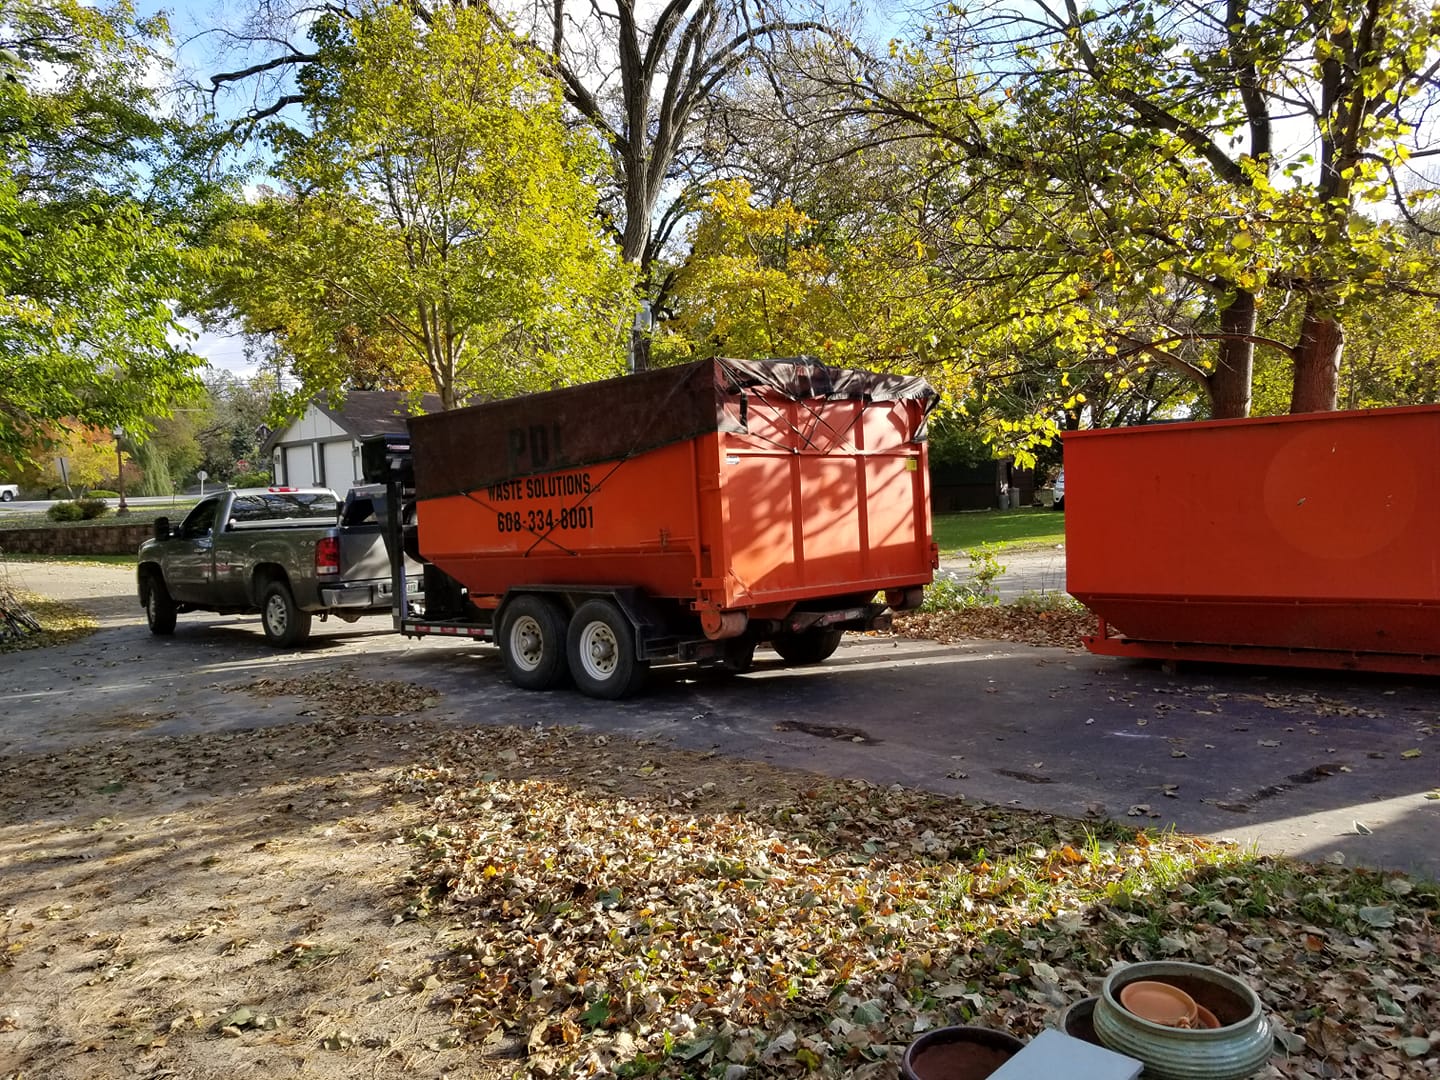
(80, 540)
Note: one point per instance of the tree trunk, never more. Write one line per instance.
(1229, 386)
(1316, 382)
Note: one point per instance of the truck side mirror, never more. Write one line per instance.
(162, 528)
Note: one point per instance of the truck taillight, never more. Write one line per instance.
(327, 555)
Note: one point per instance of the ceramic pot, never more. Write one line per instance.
(958, 1053)
(1078, 1021)
(1236, 1049)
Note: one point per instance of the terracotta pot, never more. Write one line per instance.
(1237, 1048)
(958, 1053)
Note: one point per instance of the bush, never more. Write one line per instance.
(257, 478)
(101, 493)
(80, 510)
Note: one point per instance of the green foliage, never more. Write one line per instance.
(80, 510)
(950, 593)
(255, 478)
(101, 493)
(91, 253)
(437, 225)
(1122, 198)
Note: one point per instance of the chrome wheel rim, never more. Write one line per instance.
(275, 615)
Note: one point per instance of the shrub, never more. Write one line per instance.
(91, 508)
(101, 493)
(950, 593)
(257, 478)
(65, 511)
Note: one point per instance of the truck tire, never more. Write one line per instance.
(532, 643)
(284, 623)
(6, 496)
(601, 647)
(159, 607)
(808, 648)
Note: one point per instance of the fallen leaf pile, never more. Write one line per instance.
(28, 621)
(622, 919)
(1029, 625)
(343, 693)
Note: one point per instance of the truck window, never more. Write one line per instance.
(200, 521)
(278, 507)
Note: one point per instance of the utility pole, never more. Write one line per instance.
(120, 470)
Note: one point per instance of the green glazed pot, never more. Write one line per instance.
(1239, 1048)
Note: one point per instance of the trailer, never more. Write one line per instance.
(686, 514)
(1306, 541)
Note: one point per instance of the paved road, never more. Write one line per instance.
(1036, 570)
(1288, 761)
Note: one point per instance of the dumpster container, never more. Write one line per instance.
(1304, 540)
(716, 506)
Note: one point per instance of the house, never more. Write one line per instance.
(322, 447)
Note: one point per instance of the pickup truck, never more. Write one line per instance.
(284, 553)
(9, 491)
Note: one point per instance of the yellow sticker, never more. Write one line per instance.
(911, 465)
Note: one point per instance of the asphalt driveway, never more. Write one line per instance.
(1316, 765)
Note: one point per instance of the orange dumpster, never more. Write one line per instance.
(1308, 540)
(721, 501)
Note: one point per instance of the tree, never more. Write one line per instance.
(90, 260)
(438, 208)
(1156, 138)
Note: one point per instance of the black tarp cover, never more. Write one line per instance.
(471, 448)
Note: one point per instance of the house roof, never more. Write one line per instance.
(374, 412)
(362, 413)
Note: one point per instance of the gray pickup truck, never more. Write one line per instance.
(286, 553)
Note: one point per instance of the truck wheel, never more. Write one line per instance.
(159, 607)
(601, 647)
(285, 624)
(532, 643)
(808, 648)
(6, 496)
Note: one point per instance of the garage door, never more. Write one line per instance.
(299, 466)
(339, 459)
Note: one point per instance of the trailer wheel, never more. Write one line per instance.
(532, 643)
(808, 648)
(739, 655)
(284, 623)
(601, 647)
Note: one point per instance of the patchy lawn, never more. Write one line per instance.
(391, 897)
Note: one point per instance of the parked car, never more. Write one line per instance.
(9, 491)
(1059, 490)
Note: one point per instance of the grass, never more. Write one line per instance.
(1027, 527)
(137, 515)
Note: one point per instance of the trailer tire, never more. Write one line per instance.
(285, 625)
(739, 655)
(809, 647)
(601, 648)
(532, 643)
(159, 607)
